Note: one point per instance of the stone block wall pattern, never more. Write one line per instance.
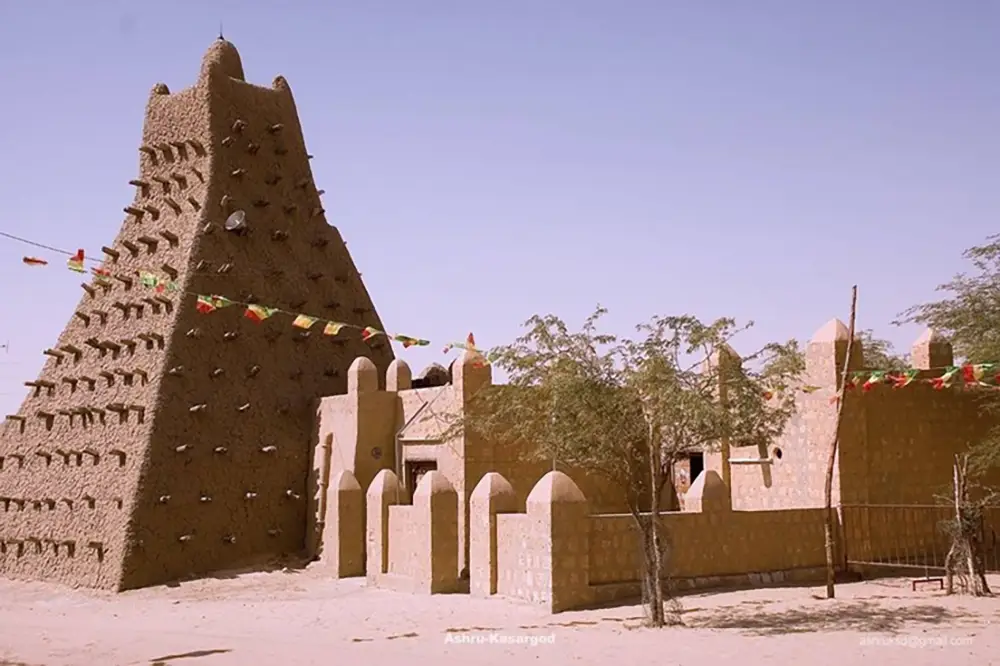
(159, 443)
(542, 556)
(560, 556)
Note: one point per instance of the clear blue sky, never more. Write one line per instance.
(488, 160)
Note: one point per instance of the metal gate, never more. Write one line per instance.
(909, 536)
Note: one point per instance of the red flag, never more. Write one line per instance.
(35, 261)
(75, 263)
(369, 332)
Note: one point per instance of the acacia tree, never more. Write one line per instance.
(966, 558)
(970, 317)
(628, 410)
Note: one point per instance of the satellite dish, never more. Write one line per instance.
(237, 221)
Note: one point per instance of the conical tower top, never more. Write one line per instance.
(223, 57)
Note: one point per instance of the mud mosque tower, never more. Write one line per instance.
(158, 442)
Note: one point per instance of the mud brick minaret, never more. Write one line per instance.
(158, 442)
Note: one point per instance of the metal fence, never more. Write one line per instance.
(910, 536)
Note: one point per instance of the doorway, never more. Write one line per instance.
(697, 462)
(415, 471)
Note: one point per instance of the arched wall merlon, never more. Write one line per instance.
(832, 331)
(492, 495)
(555, 488)
(362, 376)
(386, 485)
(434, 375)
(709, 492)
(826, 352)
(343, 527)
(384, 491)
(725, 351)
(398, 377)
(724, 354)
(470, 372)
(931, 350)
(492, 487)
(431, 484)
(344, 481)
(222, 59)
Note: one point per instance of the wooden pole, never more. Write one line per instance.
(831, 461)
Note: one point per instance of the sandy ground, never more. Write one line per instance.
(300, 618)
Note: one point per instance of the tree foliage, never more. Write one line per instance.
(628, 409)
(969, 316)
(880, 354)
(970, 313)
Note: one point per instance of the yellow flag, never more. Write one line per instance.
(332, 328)
(304, 321)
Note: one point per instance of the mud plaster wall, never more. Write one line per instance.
(109, 478)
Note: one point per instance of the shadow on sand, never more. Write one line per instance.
(861, 615)
(164, 661)
(288, 565)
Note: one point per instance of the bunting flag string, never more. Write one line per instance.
(75, 263)
(206, 303)
(981, 375)
(967, 376)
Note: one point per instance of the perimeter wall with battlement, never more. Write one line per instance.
(753, 516)
(551, 549)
